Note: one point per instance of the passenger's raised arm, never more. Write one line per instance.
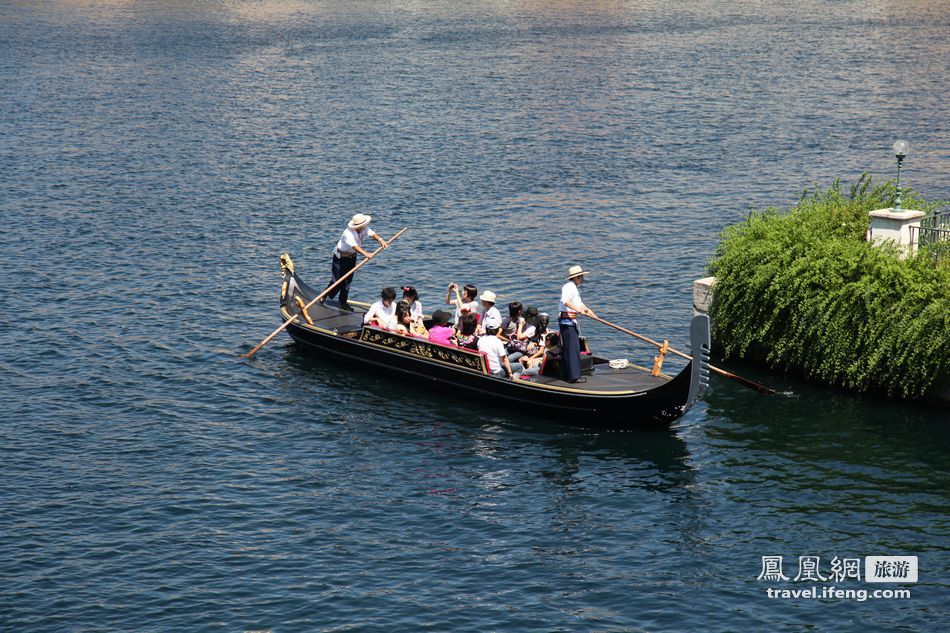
(464, 302)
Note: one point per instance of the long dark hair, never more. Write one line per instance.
(402, 310)
(515, 309)
(540, 327)
(409, 291)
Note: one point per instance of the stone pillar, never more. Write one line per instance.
(893, 225)
(704, 290)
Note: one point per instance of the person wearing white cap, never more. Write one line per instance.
(490, 316)
(344, 255)
(495, 354)
(570, 305)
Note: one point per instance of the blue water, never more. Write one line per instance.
(157, 157)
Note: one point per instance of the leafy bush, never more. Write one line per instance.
(804, 290)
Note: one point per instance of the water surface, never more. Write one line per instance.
(156, 159)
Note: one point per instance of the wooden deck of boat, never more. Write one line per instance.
(329, 317)
(604, 378)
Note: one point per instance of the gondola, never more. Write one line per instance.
(615, 395)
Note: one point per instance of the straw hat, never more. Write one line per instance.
(576, 271)
(359, 221)
(488, 296)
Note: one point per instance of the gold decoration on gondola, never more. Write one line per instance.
(286, 265)
(421, 347)
(422, 350)
(658, 360)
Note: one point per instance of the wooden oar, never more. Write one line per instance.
(319, 296)
(721, 372)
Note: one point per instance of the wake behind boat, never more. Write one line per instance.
(618, 394)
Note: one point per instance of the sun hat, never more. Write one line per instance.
(441, 317)
(576, 271)
(531, 311)
(359, 221)
(488, 296)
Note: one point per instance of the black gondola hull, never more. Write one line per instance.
(656, 406)
(613, 397)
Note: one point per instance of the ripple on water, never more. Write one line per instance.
(159, 157)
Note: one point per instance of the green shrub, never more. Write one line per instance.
(804, 290)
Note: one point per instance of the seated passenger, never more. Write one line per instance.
(514, 321)
(383, 312)
(494, 349)
(464, 302)
(410, 296)
(467, 334)
(538, 324)
(514, 327)
(490, 316)
(531, 365)
(531, 319)
(441, 330)
(403, 318)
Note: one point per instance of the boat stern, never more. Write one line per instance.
(700, 344)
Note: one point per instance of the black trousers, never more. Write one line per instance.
(341, 266)
(570, 350)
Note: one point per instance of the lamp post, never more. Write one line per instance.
(900, 150)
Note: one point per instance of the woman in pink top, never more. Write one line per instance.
(441, 330)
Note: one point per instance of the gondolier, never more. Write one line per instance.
(570, 305)
(344, 255)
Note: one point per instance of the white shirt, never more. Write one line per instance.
(352, 238)
(385, 316)
(495, 350)
(569, 292)
(415, 311)
(490, 318)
